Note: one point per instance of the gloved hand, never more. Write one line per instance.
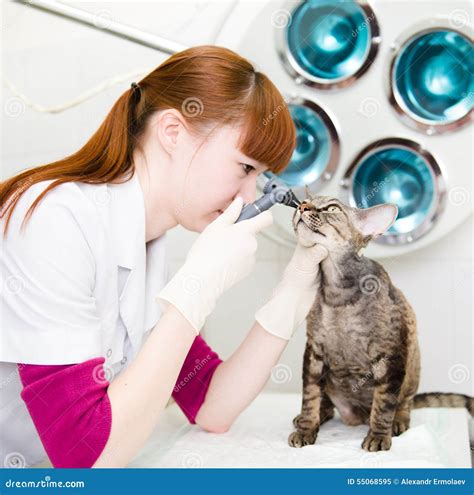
(222, 255)
(293, 297)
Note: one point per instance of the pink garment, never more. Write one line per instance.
(71, 410)
(194, 378)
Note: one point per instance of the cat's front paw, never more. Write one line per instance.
(299, 439)
(303, 423)
(374, 442)
(400, 425)
(296, 419)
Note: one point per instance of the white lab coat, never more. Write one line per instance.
(79, 283)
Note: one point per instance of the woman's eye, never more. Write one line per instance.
(333, 209)
(247, 168)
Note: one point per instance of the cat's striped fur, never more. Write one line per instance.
(362, 355)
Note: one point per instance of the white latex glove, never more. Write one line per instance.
(222, 255)
(293, 297)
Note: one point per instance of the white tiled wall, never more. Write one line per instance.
(52, 60)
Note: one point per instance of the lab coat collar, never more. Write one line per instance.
(144, 262)
(127, 220)
(138, 268)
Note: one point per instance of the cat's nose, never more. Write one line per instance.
(304, 207)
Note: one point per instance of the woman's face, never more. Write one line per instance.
(211, 172)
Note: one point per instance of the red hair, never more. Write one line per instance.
(209, 85)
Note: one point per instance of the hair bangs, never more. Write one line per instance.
(269, 135)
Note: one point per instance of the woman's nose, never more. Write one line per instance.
(249, 193)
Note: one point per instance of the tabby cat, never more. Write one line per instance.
(362, 354)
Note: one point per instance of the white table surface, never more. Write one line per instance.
(438, 437)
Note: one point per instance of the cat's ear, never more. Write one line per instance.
(376, 220)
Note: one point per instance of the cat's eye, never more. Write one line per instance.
(333, 209)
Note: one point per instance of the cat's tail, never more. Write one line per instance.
(441, 399)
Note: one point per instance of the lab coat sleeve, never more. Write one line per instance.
(47, 275)
(194, 378)
(70, 409)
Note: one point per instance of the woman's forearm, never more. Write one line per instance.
(239, 379)
(140, 393)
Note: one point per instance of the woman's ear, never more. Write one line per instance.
(376, 220)
(169, 125)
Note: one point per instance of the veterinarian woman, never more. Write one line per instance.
(94, 337)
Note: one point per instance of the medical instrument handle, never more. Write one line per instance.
(274, 191)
